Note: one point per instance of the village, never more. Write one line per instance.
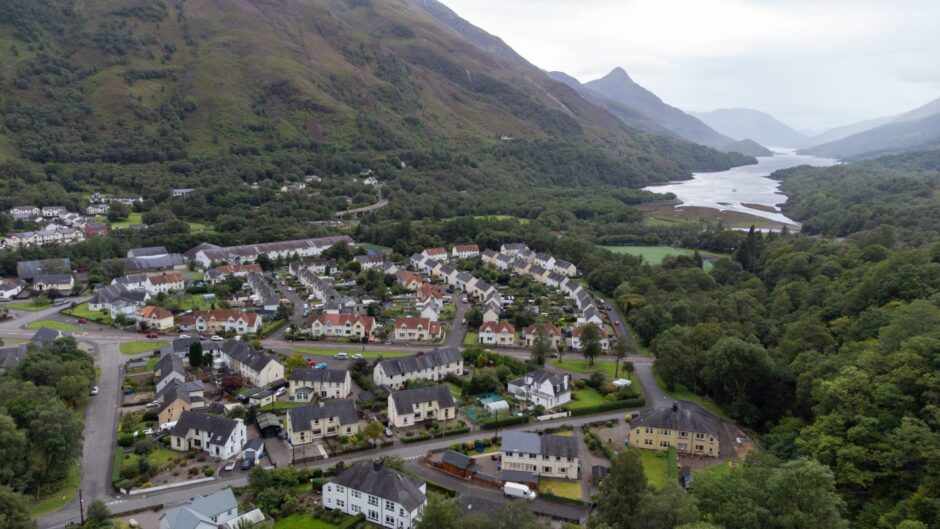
(483, 372)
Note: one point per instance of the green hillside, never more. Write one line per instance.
(344, 84)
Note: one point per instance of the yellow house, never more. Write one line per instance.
(156, 318)
(691, 431)
(411, 406)
(307, 424)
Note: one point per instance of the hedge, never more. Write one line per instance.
(608, 451)
(441, 489)
(427, 435)
(635, 402)
(352, 522)
(509, 421)
(560, 499)
(271, 327)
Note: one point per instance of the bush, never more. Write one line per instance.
(125, 440)
(208, 472)
(580, 383)
(507, 421)
(150, 415)
(636, 402)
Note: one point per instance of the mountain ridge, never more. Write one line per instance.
(746, 123)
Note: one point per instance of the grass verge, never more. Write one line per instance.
(351, 351)
(52, 324)
(141, 346)
(471, 338)
(61, 497)
(82, 311)
(28, 306)
(683, 393)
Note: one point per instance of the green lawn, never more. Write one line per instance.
(455, 390)
(152, 363)
(52, 324)
(654, 466)
(60, 498)
(581, 367)
(655, 254)
(352, 349)
(721, 469)
(471, 338)
(565, 489)
(82, 311)
(585, 398)
(198, 227)
(132, 220)
(302, 521)
(141, 346)
(280, 406)
(158, 458)
(682, 393)
(28, 306)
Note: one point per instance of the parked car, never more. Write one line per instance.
(247, 463)
(82, 321)
(94, 390)
(388, 432)
(321, 365)
(341, 355)
(230, 466)
(217, 338)
(280, 391)
(185, 336)
(153, 404)
(518, 490)
(357, 356)
(152, 335)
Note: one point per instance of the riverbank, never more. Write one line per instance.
(663, 214)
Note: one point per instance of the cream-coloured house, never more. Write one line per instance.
(256, 368)
(155, 318)
(689, 430)
(433, 365)
(307, 383)
(499, 333)
(411, 406)
(550, 456)
(306, 424)
(341, 325)
(418, 330)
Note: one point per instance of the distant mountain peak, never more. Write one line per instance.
(619, 73)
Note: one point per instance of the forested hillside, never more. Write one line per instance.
(890, 200)
(148, 95)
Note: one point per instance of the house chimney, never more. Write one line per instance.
(377, 463)
(675, 406)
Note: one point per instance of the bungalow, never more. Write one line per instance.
(550, 456)
(546, 330)
(435, 254)
(306, 424)
(691, 430)
(575, 341)
(385, 497)
(218, 436)
(307, 383)
(500, 333)
(418, 329)
(221, 321)
(411, 406)
(255, 367)
(542, 388)
(341, 325)
(118, 300)
(433, 365)
(465, 251)
(165, 283)
(155, 318)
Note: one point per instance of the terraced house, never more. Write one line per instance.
(550, 456)
(433, 365)
(221, 321)
(411, 406)
(307, 383)
(413, 329)
(691, 431)
(341, 325)
(255, 367)
(306, 424)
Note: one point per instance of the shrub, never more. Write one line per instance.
(608, 406)
(193, 471)
(208, 472)
(125, 440)
(580, 383)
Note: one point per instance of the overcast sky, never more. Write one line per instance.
(813, 64)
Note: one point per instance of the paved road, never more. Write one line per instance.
(366, 209)
(297, 317)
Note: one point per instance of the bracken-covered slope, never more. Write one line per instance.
(132, 82)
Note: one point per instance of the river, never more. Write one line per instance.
(745, 189)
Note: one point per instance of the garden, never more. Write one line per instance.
(82, 311)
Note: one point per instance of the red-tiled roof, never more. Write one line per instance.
(435, 251)
(548, 328)
(497, 326)
(462, 248)
(577, 331)
(159, 313)
(165, 278)
(412, 322)
(339, 320)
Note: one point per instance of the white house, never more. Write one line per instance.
(218, 436)
(9, 290)
(307, 383)
(255, 367)
(542, 388)
(217, 510)
(435, 254)
(411, 406)
(500, 333)
(387, 497)
(465, 251)
(433, 365)
(167, 283)
(550, 456)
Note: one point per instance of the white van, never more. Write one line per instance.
(518, 490)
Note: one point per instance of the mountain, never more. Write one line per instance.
(620, 88)
(748, 148)
(893, 138)
(741, 123)
(845, 131)
(240, 90)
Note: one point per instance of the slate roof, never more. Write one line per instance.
(217, 253)
(546, 445)
(408, 364)
(344, 409)
(219, 427)
(169, 364)
(458, 460)
(45, 336)
(160, 262)
(53, 279)
(309, 374)
(171, 393)
(113, 293)
(406, 399)
(150, 251)
(130, 279)
(246, 354)
(518, 476)
(31, 269)
(384, 482)
(677, 418)
(11, 356)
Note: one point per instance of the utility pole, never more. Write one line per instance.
(81, 506)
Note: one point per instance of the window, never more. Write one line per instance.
(664, 444)
(389, 506)
(373, 501)
(546, 469)
(649, 430)
(373, 515)
(340, 503)
(355, 508)
(648, 442)
(699, 448)
(664, 431)
(389, 519)
(699, 436)
(356, 494)
(683, 434)
(340, 489)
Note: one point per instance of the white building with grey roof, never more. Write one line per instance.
(386, 497)
(217, 436)
(412, 406)
(432, 365)
(307, 424)
(542, 388)
(307, 383)
(550, 456)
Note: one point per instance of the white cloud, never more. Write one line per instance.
(811, 63)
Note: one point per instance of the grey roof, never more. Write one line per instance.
(220, 427)
(683, 419)
(130, 279)
(171, 393)
(169, 364)
(518, 476)
(217, 253)
(344, 409)
(214, 504)
(546, 445)
(161, 262)
(45, 336)
(150, 251)
(384, 482)
(181, 345)
(515, 246)
(31, 269)
(255, 444)
(470, 503)
(407, 399)
(458, 460)
(267, 420)
(244, 353)
(55, 279)
(11, 356)
(561, 263)
(113, 293)
(408, 364)
(309, 374)
(489, 253)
